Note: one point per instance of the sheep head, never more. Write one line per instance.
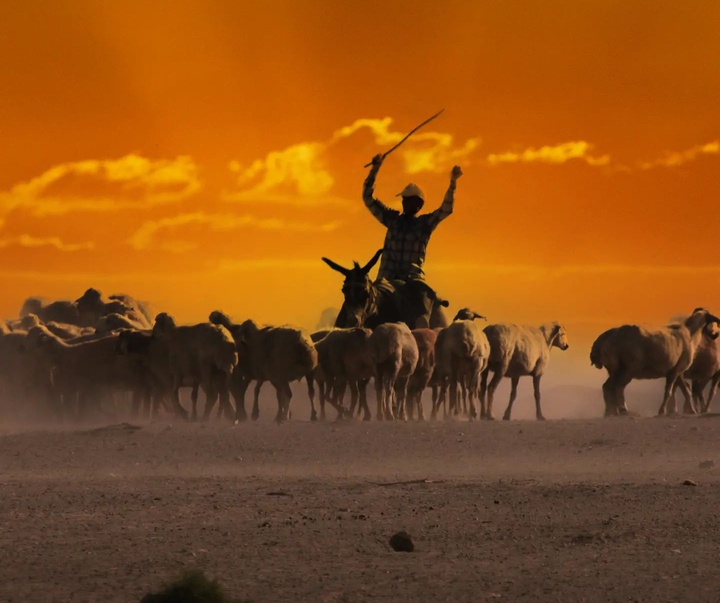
(29, 321)
(467, 314)
(164, 325)
(245, 332)
(220, 318)
(38, 336)
(703, 319)
(556, 335)
(131, 342)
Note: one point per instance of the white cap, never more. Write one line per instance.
(411, 190)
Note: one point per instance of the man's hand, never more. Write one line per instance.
(456, 172)
(377, 160)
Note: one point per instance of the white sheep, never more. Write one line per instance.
(204, 353)
(461, 355)
(517, 351)
(394, 354)
(632, 352)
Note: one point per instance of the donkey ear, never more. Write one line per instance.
(338, 267)
(369, 266)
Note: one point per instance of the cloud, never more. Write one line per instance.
(145, 236)
(425, 151)
(104, 185)
(25, 240)
(674, 159)
(559, 153)
(298, 174)
(300, 165)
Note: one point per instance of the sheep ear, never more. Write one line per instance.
(369, 266)
(476, 315)
(344, 271)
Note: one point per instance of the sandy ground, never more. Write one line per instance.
(566, 510)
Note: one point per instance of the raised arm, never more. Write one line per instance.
(377, 208)
(442, 212)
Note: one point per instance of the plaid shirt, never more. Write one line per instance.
(407, 236)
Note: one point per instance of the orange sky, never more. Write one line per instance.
(205, 155)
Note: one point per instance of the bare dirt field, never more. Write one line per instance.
(566, 510)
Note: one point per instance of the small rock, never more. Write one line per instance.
(707, 464)
(689, 482)
(401, 542)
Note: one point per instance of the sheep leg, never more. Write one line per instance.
(513, 394)
(147, 403)
(410, 402)
(287, 399)
(465, 401)
(689, 406)
(354, 396)
(363, 399)
(256, 400)
(472, 392)
(698, 394)
(225, 408)
(284, 395)
(418, 404)
(620, 382)
(712, 392)
(336, 393)
(444, 398)
(136, 402)
(239, 387)
(211, 397)
(176, 404)
(400, 390)
(339, 387)
(491, 387)
(390, 399)
(379, 394)
(325, 395)
(434, 400)
(669, 382)
(453, 395)
(536, 390)
(280, 393)
(483, 393)
(194, 400)
(311, 394)
(608, 390)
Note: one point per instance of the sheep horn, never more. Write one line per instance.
(338, 267)
(368, 267)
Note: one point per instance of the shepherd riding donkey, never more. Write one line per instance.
(400, 293)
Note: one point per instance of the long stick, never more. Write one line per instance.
(408, 135)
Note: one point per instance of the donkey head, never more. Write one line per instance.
(358, 290)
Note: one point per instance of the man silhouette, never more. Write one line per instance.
(407, 238)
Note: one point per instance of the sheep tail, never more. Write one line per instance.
(595, 356)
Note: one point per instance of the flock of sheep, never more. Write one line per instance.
(64, 359)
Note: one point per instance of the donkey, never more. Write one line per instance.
(369, 304)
